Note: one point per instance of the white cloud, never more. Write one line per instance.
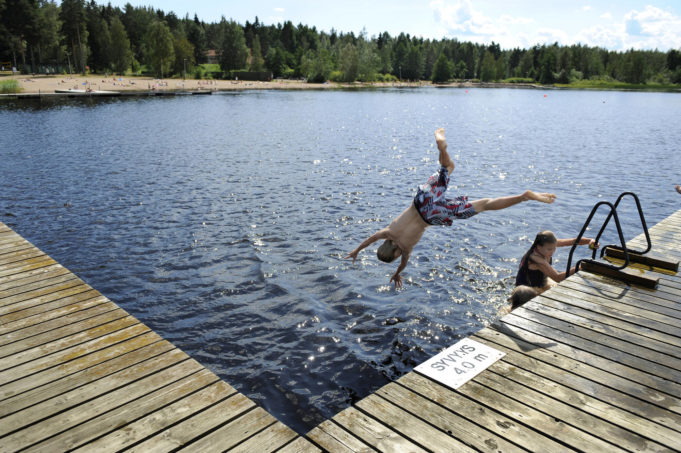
(551, 35)
(279, 10)
(510, 20)
(608, 37)
(652, 28)
(459, 16)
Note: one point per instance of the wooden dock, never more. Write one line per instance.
(591, 365)
(79, 373)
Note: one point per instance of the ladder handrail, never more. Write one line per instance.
(613, 213)
(643, 225)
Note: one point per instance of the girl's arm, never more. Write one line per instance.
(548, 270)
(582, 241)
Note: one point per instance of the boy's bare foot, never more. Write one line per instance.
(539, 196)
(440, 139)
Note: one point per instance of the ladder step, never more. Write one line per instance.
(649, 260)
(628, 275)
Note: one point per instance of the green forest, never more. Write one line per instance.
(39, 36)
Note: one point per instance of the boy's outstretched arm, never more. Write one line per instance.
(397, 278)
(381, 234)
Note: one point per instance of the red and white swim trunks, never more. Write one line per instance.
(435, 207)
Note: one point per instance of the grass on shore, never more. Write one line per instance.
(615, 85)
(9, 86)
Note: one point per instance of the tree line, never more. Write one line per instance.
(77, 36)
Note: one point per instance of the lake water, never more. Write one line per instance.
(221, 221)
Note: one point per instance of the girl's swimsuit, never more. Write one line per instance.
(435, 208)
(529, 277)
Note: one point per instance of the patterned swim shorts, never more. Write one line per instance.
(435, 207)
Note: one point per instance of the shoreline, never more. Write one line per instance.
(43, 85)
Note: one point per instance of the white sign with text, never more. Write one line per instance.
(459, 363)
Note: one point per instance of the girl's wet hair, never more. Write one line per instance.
(386, 252)
(545, 237)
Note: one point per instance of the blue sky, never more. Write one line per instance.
(617, 25)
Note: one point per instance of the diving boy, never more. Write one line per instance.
(433, 206)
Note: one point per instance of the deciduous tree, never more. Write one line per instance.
(121, 55)
(159, 48)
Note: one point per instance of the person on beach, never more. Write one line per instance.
(535, 272)
(432, 205)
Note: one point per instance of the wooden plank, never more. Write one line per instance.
(374, 433)
(93, 389)
(196, 426)
(606, 305)
(74, 352)
(61, 333)
(87, 310)
(332, 437)
(37, 313)
(300, 445)
(654, 338)
(618, 408)
(37, 287)
(270, 439)
(34, 263)
(122, 415)
(21, 278)
(24, 384)
(10, 242)
(4, 237)
(161, 419)
(638, 345)
(445, 420)
(58, 293)
(11, 299)
(654, 303)
(43, 352)
(17, 257)
(489, 418)
(598, 334)
(617, 437)
(16, 247)
(614, 361)
(34, 391)
(410, 426)
(233, 433)
(38, 432)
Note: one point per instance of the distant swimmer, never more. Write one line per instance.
(433, 206)
(678, 188)
(535, 272)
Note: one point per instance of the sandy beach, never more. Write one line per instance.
(48, 84)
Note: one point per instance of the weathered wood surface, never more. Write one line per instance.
(591, 365)
(77, 372)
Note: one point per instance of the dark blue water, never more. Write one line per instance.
(221, 222)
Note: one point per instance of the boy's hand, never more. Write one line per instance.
(397, 278)
(352, 255)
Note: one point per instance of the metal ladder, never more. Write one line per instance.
(618, 251)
